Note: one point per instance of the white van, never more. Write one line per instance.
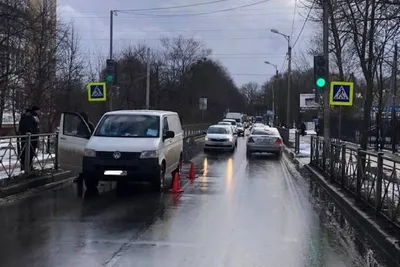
(126, 146)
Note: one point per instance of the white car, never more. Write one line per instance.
(240, 129)
(126, 146)
(220, 137)
(264, 139)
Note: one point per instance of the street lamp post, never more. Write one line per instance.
(289, 54)
(273, 89)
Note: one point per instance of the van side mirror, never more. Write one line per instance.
(204, 132)
(88, 134)
(168, 135)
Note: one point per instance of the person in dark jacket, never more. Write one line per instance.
(82, 131)
(34, 124)
(23, 129)
(303, 129)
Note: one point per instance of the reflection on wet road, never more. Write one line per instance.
(238, 212)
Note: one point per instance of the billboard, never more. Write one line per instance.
(307, 102)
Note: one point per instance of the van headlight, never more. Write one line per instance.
(151, 154)
(230, 139)
(89, 153)
(206, 138)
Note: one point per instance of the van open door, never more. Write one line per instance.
(74, 134)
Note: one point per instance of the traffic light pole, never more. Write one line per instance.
(289, 84)
(110, 100)
(326, 55)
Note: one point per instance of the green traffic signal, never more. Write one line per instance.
(321, 82)
(109, 78)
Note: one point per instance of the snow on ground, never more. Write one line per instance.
(17, 170)
(10, 163)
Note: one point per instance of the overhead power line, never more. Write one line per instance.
(304, 24)
(196, 14)
(190, 30)
(189, 38)
(174, 7)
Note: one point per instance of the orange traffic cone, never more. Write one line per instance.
(192, 173)
(176, 184)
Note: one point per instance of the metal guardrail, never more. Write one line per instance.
(16, 152)
(373, 178)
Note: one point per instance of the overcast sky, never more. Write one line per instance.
(241, 39)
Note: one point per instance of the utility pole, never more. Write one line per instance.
(273, 96)
(109, 85)
(111, 32)
(394, 94)
(289, 83)
(148, 80)
(326, 89)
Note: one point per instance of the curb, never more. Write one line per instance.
(292, 157)
(34, 183)
(377, 234)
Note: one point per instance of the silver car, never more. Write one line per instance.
(220, 137)
(264, 139)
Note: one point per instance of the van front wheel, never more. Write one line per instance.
(159, 183)
(91, 184)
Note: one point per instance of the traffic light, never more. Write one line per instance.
(111, 71)
(320, 71)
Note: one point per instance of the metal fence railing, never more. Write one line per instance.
(36, 153)
(371, 177)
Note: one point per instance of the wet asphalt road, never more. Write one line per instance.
(238, 212)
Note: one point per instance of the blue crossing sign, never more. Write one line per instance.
(97, 92)
(341, 93)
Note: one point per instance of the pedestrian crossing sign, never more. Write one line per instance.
(97, 92)
(341, 93)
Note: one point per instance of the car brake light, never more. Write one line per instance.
(278, 141)
(251, 140)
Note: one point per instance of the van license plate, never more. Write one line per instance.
(115, 173)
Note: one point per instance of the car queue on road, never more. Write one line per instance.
(261, 138)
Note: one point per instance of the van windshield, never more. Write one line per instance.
(117, 125)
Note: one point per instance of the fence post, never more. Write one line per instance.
(343, 165)
(332, 162)
(312, 148)
(378, 186)
(27, 165)
(56, 152)
(324, 148)
(317, 151)
(360, 171)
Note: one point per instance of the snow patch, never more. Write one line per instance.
(8, 117)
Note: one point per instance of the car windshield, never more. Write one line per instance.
(232, 122)
(224, 123)
(217, 130)
(117, 125)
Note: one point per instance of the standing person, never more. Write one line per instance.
(303, 128)
(82, 131)
(82, 127)
(23, 129)
(34, 123)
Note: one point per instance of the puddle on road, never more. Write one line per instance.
(343, 234)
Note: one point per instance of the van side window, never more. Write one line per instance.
(165, 125)
(75, 126)
(173, 124)
(177, 123)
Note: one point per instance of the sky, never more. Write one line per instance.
(241, 39)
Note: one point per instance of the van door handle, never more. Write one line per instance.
(63, 138)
